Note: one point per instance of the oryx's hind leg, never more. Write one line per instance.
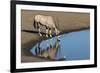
(50, 32)
(47, 31)
(57, 33)
(38, 27)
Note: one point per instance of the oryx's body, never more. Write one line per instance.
(46, 21)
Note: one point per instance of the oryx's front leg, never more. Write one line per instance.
(57, 31)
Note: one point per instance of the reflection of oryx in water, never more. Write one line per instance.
(46, 21)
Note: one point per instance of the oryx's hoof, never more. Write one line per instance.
(46, 35)
(50, 35)
(40, 34)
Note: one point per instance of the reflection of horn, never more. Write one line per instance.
(50, 43)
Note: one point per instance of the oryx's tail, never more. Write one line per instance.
(34, 23)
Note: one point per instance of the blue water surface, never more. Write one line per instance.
(74, 46)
